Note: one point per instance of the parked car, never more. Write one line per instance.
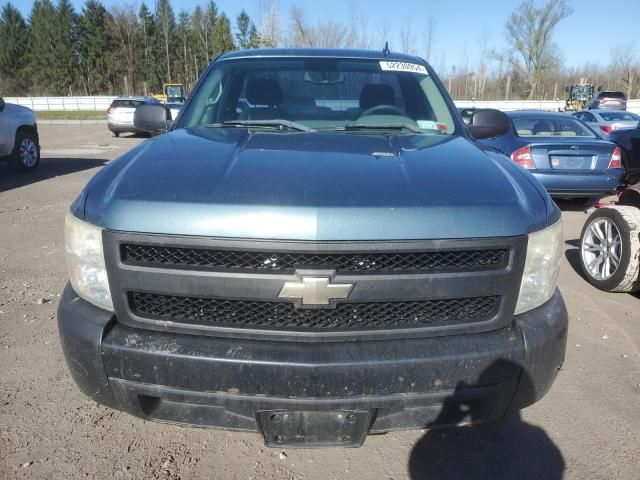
(467, 114)
(629, 142)
(610, 239)
(120, 113)
(564, 154)
(19, 142)
(314, 270)
(174, 108)
(607, 100)
(608, 120)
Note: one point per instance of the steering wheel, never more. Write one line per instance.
(388, 109)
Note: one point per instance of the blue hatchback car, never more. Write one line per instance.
(568, 158)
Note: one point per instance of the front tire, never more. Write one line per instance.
(610, 249)
(116, 134)
(26, 152)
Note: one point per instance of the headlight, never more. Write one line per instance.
(544, 252)
(85, 260)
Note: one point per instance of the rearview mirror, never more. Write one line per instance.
(152, 118)
(488, 123)
(1, 104)
(323, 77)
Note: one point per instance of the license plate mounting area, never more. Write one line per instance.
(314, 428)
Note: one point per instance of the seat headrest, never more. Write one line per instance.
(375, 94)
(264, 91)
(542, 126)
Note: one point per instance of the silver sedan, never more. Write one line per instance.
(605, 121)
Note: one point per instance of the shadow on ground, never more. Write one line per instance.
(49, 168)
(504, 449)
(574, 204)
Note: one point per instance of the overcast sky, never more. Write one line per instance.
(586, 36)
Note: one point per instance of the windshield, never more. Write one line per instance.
(582, 91)
(551, 127)
(321, 94)
(174, 91)
(619, 116)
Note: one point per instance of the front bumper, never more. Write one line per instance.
(226, 382)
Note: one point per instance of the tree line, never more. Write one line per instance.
(59, 51)
(122, 50)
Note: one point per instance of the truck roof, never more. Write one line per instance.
(321, 53)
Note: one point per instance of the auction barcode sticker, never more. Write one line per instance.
(403, 67)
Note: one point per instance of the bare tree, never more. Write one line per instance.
(300, 32)
(270, 30)
(483, 43)
(528, 31)
(330, 35)
(357, 37)
(122, 24)
(429, 39)
(407, 37)
(384, 32)
(624, 67)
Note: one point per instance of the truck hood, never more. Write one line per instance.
(232, 182)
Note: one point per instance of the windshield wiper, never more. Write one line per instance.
(276, 123)
(381, 126)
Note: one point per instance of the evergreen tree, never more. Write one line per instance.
(94, 48)
(14, 37)
(166, 23)
(200, 34)
(41, 48)
(183, 70)
(211, 16)
(65, 42)
(243, 24)
(222, 36)
(254, 37)
(147, 53)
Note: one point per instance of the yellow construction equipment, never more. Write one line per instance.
(578, 95)
(171, 93)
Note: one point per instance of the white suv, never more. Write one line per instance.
(19, 136)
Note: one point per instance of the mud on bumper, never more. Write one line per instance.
(227, 383)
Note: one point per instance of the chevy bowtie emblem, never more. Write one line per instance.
(315, 290)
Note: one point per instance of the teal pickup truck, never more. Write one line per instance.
(316, 249)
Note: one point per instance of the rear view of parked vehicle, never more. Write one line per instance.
(562, 152)
(19, 142)
(610, 239)
(607, 100)
(608, 120)
(120, 114)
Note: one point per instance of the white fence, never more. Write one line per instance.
(103, 102)
(40, 104)
(550, 105)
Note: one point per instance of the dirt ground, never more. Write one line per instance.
(587, 427)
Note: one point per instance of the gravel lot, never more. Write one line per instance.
(587, 427)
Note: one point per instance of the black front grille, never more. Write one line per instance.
(284, 316)
(209, 259)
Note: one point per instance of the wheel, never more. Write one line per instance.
(116, 134)
(610, 249)
(26, 152)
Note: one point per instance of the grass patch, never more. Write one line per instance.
(72, 115)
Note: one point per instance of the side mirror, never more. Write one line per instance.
(1, 104)
(152, 118)
(488, 123)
